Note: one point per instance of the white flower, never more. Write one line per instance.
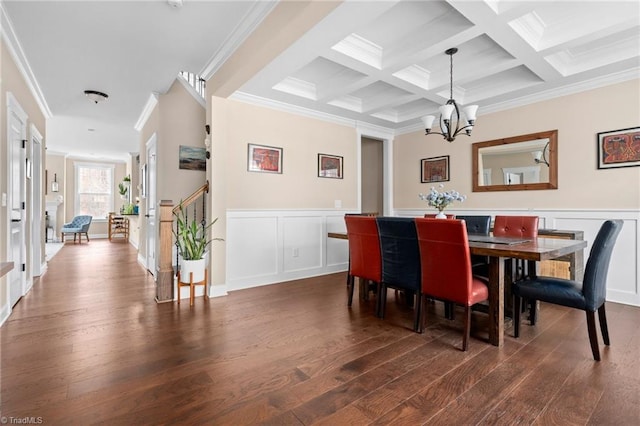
(440, 200)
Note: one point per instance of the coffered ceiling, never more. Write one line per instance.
(375, 62)
(383, 63)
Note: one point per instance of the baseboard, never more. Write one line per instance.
(218, 290)
(4, 313)
(142, 261)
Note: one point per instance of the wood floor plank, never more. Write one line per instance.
(89, 345)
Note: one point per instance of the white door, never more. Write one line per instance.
(151, 205)
(37, 215)
(17, 250)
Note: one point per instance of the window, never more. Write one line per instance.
(94, 189)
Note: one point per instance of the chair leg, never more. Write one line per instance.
(350, 284)
(86, 234)
(467, 327)
(382, 300)
(593, 335)
(533, 311)
(602, 316)
(423, 312)
(516, 315)
(418, 312)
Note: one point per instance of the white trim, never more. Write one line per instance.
(252, 19)
(84, 164)
(218, 290)
(20, 59)
(146, 111)
(263, 241)
(37, 142)
(4, 313)
(192, 91)
(293, 109)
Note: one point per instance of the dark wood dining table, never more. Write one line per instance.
(498, 249)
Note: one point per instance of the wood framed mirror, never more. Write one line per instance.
(519, 163)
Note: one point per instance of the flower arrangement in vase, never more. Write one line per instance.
(440, 200)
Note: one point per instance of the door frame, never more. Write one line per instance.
(36, 217)
(14, 108)
(363, 130)
(151, 197)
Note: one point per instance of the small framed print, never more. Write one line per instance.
(619, 148)
(434, 169)
(330, 166)
(262, 158)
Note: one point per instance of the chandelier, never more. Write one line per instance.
(450, 113)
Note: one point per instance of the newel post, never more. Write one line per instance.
(164, 279)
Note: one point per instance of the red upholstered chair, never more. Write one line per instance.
(449, 216)
(446, 267)
(516, 226)
(364, 252)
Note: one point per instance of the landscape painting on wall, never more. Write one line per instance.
(192, 158)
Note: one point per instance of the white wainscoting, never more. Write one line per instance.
(267, 246)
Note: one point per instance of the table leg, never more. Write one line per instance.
(496, 301)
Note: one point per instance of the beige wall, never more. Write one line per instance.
(182, 121)
(578, 118)
(236, 124)
(11, 81)
(178, 119)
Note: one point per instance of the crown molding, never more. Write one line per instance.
(146, 111)
(282, 106)
(248, 24)
(17, 54)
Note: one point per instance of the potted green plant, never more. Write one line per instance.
(122, 189)
(192, 242)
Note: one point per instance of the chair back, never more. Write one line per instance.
(479, 225)
(594, 285)
(85, 221)
(364, 247)
(516, 226)
(79, 222)
(445, 259)
(399, 251)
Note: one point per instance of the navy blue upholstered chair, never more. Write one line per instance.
(400, 261)
(78, 226)
(588, 296)
(477, 225)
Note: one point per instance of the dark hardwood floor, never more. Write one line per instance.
(88, 345)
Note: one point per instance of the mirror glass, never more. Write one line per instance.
(525, 162)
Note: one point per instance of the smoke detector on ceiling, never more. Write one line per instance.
(177, 4)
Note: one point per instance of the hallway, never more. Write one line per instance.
(88, 345)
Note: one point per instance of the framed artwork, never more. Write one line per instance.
(434, 169)
(192, 158)
(619, 148)
(329, 166)
(262, 158)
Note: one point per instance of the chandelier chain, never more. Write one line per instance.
(451, 75)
